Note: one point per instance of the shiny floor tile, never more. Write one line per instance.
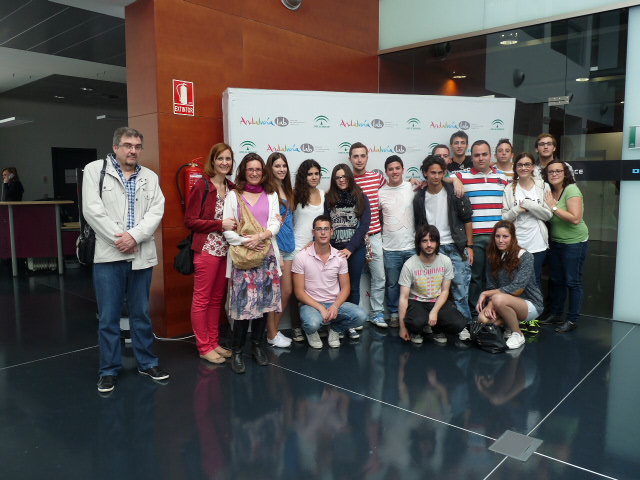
(377, 408)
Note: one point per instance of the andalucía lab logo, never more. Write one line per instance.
(321, 121)
(259, 122)
(247, 147)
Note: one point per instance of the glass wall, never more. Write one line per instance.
(568, 79)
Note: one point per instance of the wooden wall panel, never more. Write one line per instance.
(352, 23)
(329, 45)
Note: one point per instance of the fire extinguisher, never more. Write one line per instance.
(192, 173)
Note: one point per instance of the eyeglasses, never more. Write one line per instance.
(545, 144)
(128, 146)
(341, 177)
(322, 229)
(554, 172)
(254, 170)
(524, 165)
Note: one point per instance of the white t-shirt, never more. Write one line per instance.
(425, 281)
(437, 209)
(303, 222)
(527, 227)
(396, 203)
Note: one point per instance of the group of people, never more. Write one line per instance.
(469, 242)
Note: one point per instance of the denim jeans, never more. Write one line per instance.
(113, 282)
(376, 273)
(393, 262)
(538, 262)
(349, 316)
(478, 269)
(566, 264)
(356, 264)
(462, 276)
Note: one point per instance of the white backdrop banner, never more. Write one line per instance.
(323, 125)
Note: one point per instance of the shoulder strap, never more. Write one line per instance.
(102, 172)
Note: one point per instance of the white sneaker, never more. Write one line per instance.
(464, 335)
(353, 333)
(440, 338)
(515, 340)
(279, 341)
(334, 339)
(359, 328)
(314, 340)
(416, 338)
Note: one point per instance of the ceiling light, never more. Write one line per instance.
(622, 101)
(457, 76)
(14, 121)
(582, 79)
(86, 89)
(509, 38)
(292, 4)
(59, 97)
(112, 117)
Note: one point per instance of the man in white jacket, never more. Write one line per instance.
(124, 210)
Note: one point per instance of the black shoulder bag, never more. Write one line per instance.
(183, 261)
(488, 337)
(86, 242)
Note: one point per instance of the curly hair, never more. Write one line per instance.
(568, 178)
(507, 259)
(286, 181)
(302, 191)
(333, 194)
(241, 174)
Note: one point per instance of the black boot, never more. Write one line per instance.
(258, 330)
(238, 339)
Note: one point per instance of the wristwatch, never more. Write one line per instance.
(554, 208)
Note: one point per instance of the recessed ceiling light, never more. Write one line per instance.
(582, 79)
(621, 101)
(509, 38)
(456, 76)
(59, 97)
(86, 89)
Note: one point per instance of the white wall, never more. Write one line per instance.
(408, 22)
(28, 147)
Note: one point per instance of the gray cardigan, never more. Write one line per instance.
(523, 277)
(543, 213)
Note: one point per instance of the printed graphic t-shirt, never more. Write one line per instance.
(425, 281)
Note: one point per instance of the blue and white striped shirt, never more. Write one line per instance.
(130, 188)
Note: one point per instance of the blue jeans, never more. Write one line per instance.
(538, 262)
(393, 262)
(376, 273)
(478, 269)
(349, 316)
(566, 264)
(355, 264)
(113, 282)
(461, 279)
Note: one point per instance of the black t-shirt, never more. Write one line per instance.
(454, 166)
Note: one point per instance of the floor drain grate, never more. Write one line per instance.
(515, 445)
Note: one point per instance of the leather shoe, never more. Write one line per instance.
(237, 362)
(566, 327)
(259, 355)
(552, 320)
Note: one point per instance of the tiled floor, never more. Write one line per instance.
(376, 409)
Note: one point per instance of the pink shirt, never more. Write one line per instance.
(321, 280)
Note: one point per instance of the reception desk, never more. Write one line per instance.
(31, 230)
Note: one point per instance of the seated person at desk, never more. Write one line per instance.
(12, 189)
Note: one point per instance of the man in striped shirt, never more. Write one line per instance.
(370, 182)
(484, 185)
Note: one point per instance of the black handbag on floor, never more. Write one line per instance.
(86, 242)
(488, 337)
(183, 261)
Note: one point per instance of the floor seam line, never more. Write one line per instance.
(574, 466)
(64, 292)
(47, 358)
(581, 381)
(383, 402)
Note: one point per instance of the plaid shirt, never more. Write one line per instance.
(130, 188)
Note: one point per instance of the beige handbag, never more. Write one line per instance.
(242, 257)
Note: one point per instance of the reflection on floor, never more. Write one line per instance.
(378, 408)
